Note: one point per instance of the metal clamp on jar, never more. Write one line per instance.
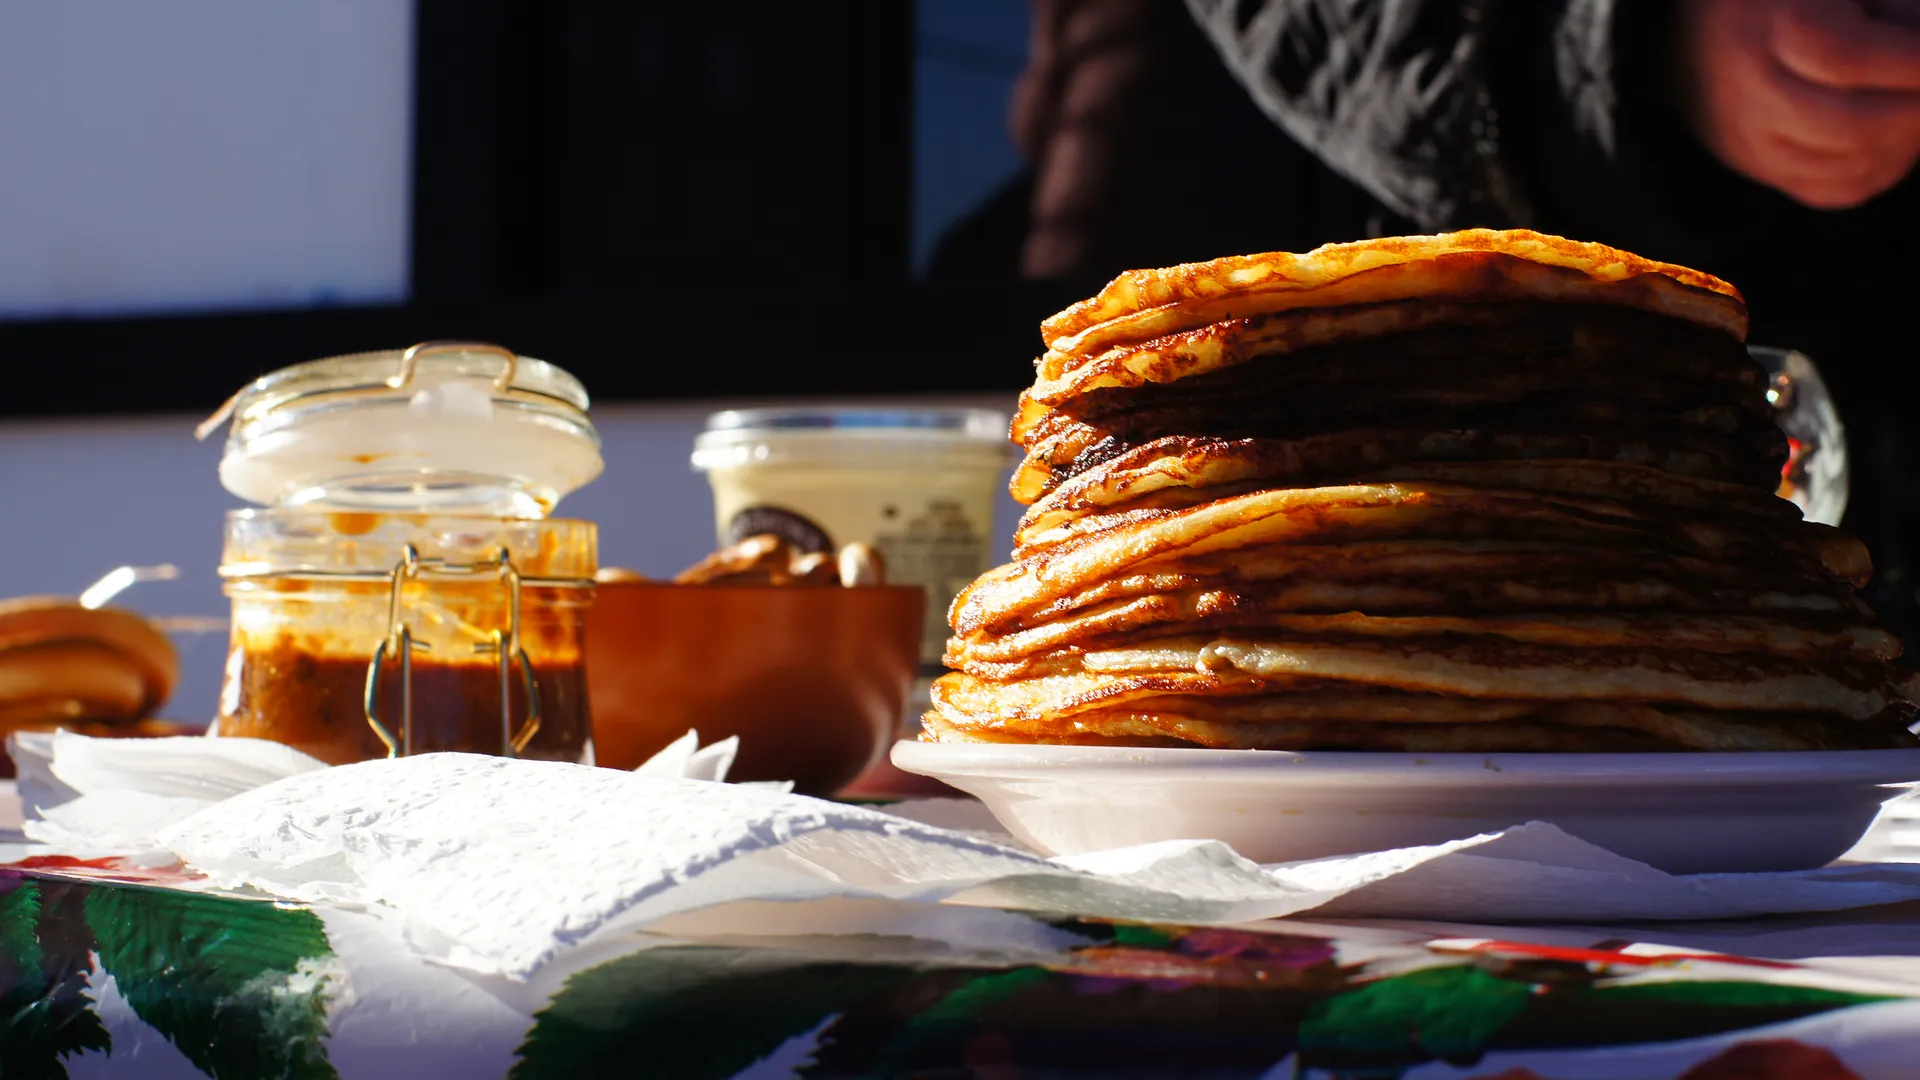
(404, 592)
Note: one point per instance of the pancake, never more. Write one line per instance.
(1264, 400)
(1518, 736)
(1243, 664)
(1078, 555)
(1802, 638)
(1628, 731)
(1206, 697)
(1475, 492)
(1118, 471)
(1749, 454)
(1088, 618)
(1496, 369)
(1074, 451)
(1476, 586)
(1474, 264)
(1594, 346)
(1572, 333)
(1438, 575)
(1179, 473)
(1507, 669)
(1442, 510)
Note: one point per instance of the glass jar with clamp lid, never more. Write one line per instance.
(404, 592)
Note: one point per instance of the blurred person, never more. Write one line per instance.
(1141, 150)
(1769, 142)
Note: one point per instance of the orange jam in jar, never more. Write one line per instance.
(405, 592)
(360, 635)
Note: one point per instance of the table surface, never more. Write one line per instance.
(105, 972)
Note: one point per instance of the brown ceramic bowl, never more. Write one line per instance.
(811, 678)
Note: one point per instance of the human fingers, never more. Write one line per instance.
(1823, 117)
(1822, 145)
(1825, 180)
(1826, 148)
(1836, 43)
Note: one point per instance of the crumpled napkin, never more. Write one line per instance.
(87, 795)
(686, 758)
(499, 867)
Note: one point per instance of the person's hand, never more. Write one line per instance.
(1817, 98)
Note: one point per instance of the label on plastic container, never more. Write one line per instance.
(806, 537)
(941, 549)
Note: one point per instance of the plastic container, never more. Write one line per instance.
(918, 484)
(405, 592)
(358, 636)
(441, 427)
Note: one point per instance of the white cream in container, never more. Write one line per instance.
(918, 484)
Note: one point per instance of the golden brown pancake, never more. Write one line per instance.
(1347, 455)
(1419, 576)
(1475, 264)
(1794, 636)
(1566, 337)
(1218, 468)
(1476, 492)
(1599, 348)
(1078, 555)
(1470, 666)
(1629, 731)
(1612, 374)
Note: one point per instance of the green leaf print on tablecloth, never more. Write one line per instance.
(1457, 1014)
(1446, 1012)
(689, 1012)
(238, 986)
(45, 1015)
(1131, 1001)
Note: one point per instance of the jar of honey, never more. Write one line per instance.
(404, 592)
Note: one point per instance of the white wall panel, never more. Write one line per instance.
(203, 154)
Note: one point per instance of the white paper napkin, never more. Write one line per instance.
(86, 795)
(114, 795)
(500, 866)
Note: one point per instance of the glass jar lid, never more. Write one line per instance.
(875, 437)
(441, 427)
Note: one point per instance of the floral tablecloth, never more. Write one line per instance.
(109, 970)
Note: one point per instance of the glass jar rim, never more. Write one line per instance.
(276, 542)
(389, 374)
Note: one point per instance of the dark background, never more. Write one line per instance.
(671, 200)
(762, 198)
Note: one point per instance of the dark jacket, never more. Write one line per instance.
(1551, 114)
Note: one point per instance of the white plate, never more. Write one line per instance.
(1684, 813)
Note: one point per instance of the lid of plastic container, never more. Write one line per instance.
(837, 434)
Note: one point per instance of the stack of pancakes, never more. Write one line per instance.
(1486, 491)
